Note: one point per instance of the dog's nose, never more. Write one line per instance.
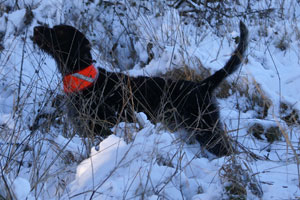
(37, 29)
(37, 34)
(40, 29)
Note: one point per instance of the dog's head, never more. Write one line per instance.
(68, 46)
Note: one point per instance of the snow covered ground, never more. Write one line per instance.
(260, 109)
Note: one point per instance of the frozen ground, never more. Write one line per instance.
(145, 160)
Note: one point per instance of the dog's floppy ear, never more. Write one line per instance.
(85, 50)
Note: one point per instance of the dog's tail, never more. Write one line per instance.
(232, 64)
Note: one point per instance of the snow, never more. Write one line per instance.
(127, 168)
(21, 187)
(144, 160)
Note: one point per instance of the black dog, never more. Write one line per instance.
(99, 98)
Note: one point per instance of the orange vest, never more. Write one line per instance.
(80, 80)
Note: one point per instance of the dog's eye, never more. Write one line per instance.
(59, 32)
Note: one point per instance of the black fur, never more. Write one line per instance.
(115, 96)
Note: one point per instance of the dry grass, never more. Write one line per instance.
(21, 152)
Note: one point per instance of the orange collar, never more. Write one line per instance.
(80, 80)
